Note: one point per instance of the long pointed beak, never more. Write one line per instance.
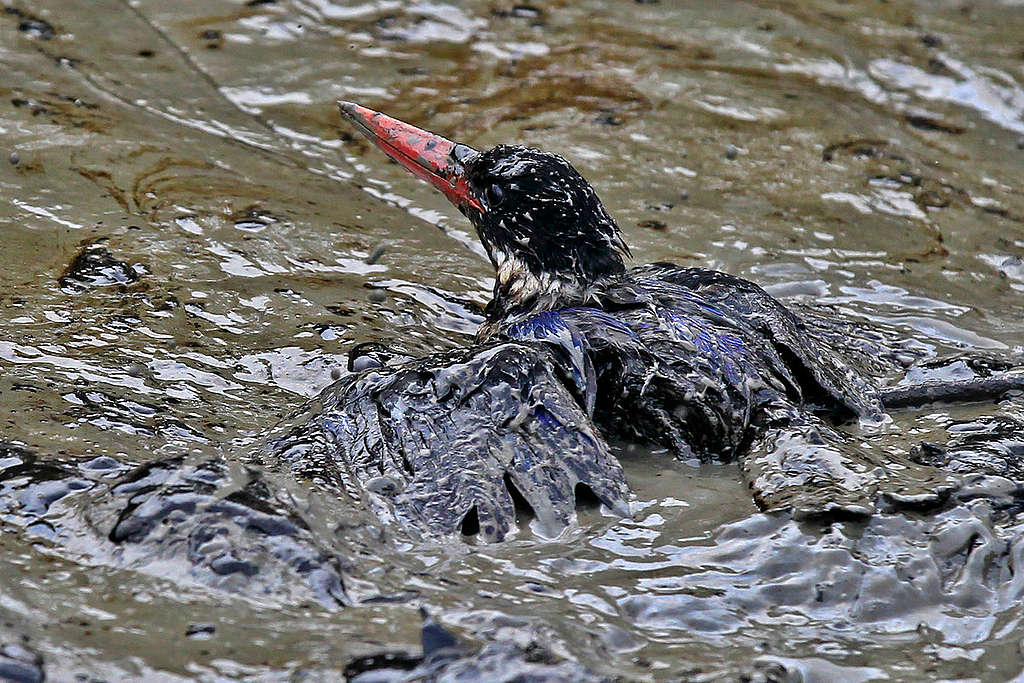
(431, 157)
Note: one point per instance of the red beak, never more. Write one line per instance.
(431, 157)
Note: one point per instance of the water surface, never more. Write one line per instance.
(863, 156)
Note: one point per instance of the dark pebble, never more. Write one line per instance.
(378, 296)
(931, 40)
(526, 11)
(1020, 142)
(37, 28)
(375, 254)
(14, 158)
(200, 630)
(928, 122)
(335, 374)
(653, 225)
(137, 370)
(731, 152)
(340, 310)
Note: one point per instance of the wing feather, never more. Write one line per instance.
(744, 301)
(434, 441)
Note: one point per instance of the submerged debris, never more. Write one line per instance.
(95, 266)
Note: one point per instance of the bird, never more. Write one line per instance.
(575, 350)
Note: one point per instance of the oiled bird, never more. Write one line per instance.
(576, 349)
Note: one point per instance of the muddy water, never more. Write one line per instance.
(863, 156)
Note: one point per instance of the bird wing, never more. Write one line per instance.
(807, 357)
(657, 373)
(448, 442)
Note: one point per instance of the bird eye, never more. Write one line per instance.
(495, 195)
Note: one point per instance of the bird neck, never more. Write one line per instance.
(520, 292)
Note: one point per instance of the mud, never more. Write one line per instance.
(860, 158)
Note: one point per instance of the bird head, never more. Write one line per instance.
(545, 230)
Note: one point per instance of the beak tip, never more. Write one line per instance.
(359, 117)
(348, 109)
(427, 155)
